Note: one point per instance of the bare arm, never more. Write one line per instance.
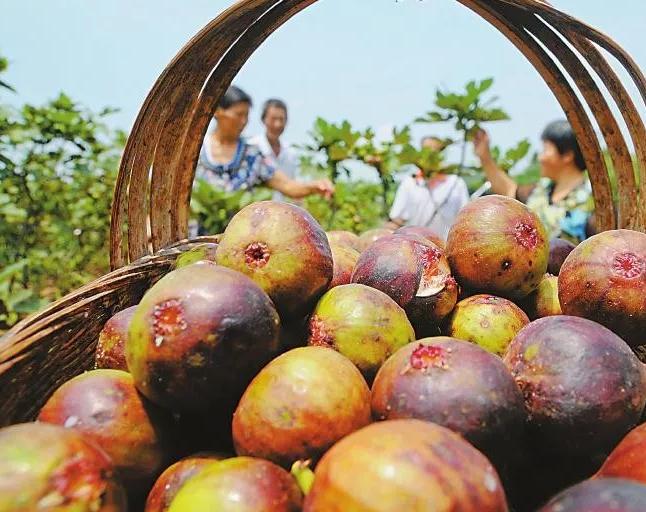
(501, 183)
(298, 189)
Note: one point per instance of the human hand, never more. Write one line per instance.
(481, 145)
(323, 187)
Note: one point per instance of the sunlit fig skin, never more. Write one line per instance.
(584, 389)
(111, 348)
(498, 246)
(362, 323)
(243, 484)
(627, 459)
(345, 258)
(198, 337)
(544, 301)
(600, 495)
(284, 250)
(604, 279)
(486, 320)
(171, 481)
(372, 235)
(415, 274)
(344, 238)
(424, 232)
(47, 467)
(559, 251)
(409, 465)
(299, 405)
(201, 252)
(104, 406)
(455, 384)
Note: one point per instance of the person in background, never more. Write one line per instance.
(230, 162)
(279, 154)
(562, 198)
(432, 201)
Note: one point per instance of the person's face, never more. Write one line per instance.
(552, 162)
(232, 120)
(275, 121)
(432, 144)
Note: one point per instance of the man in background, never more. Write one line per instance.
(432, 200)
(280, 155)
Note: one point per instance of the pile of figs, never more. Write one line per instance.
(289, 369)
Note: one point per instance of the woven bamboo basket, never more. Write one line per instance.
(158, 166)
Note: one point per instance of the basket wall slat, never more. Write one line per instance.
(38, 355)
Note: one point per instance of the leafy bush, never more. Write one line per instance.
(58, 165)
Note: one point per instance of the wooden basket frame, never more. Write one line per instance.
(157, 169)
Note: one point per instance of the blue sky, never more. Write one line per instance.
(374, 62)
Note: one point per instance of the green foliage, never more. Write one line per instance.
(213, 207)
(510, 158)
(360, 207)
(467, 110)
(4, 64)
(334, 143)
(58, 165)
(386, 158)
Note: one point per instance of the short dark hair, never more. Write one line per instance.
(272, 102)
(560, 134)
(234, 95)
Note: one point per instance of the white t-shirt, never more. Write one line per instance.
(285, 161)
(416, 203)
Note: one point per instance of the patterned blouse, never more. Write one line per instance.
(248, 168)
(566, 218)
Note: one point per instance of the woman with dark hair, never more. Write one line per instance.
(562, 198)
(230, 162)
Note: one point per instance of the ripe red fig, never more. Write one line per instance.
(283, 249)
(111, 348)
(627, 459)
(362, 323)
(47, 467)
(299, 405)
(455, 384)
(600, 495)
(241, 484)
(604, 279)
(372, 235)
(559, 250)
(345, 258)
(415, 274)
(344, 238)
(544, 301)
(498, 246)
(405, 465)
(104, 406)
(171, 481)
(424, 232)
(584, 389)
(488, 321)
(198, 337)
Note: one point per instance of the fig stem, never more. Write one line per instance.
(303, 474)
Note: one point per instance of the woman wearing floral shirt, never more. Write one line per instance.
(563, 197)
(230, 162)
